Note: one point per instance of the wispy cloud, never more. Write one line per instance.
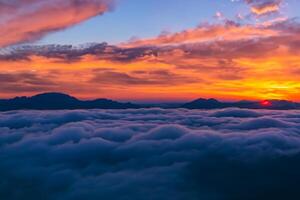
(29, 20)
(229, 30)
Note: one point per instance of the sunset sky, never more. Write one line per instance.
(151, 50)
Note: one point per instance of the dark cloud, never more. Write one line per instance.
(157, 77)
(70, 53)
(26, 82)
(149, 154)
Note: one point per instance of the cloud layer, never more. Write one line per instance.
(226, 60)
(29, 20)
(150, 154)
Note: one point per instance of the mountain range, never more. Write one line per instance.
(55, 101)
(266, 104)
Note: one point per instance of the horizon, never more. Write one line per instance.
(147, 101)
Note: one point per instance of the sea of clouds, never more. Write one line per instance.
(150, 154)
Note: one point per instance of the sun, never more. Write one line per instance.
(266, 103)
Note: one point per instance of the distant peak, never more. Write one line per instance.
(206, 100)
(53, 95)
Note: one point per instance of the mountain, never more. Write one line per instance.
(55, 101)
(266, 104)
(204, 104)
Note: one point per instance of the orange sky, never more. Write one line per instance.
(226, 60)
(261, 63)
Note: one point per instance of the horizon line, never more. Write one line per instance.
(149, 101)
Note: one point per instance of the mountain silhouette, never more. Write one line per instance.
(204, 104)
(55, 101)
(266, 104)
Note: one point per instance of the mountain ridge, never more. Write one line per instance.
(56, 101)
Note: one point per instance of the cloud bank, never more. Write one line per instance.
(150, 154)
(29, 20)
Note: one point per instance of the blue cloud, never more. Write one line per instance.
(149, 154)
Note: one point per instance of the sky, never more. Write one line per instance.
(133, 18)
(151, 50)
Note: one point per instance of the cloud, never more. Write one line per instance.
(236, 113)
(28, 20)
(228, 31)
(33, 19)
(228, 39)
(149, 154)
(25, 81)
(207, 40)
(213, 57)
(71, 53)
(159, 77)
(264, 7)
